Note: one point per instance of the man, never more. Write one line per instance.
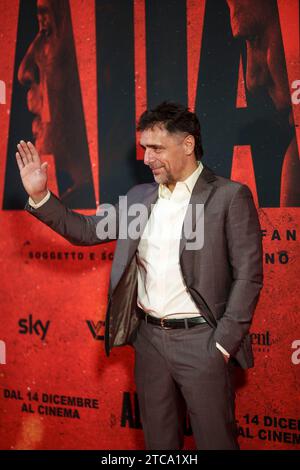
(257, 23)
(185, 307)
(49, 70)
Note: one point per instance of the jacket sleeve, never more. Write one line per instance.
(244, 244)
(77, 228)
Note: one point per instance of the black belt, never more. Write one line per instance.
(174, 323)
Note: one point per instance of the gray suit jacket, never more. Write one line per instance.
(224, 277)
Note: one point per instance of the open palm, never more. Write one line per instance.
(33, 173)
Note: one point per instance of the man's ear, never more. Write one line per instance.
(189, 144)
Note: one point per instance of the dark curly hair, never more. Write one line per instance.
(175, 118)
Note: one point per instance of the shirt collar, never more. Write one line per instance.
(189, 183)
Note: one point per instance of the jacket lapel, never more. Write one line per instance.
(149, 200)
(200, 195)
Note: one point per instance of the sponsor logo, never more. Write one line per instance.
(31, 327)
(261, 341)
(97, 329)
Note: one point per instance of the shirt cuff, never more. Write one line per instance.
(222, 350)
(39, 204)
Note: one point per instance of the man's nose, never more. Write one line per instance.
(257, 73)
(28, 71)
(148, 157)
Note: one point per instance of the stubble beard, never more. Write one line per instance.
(165, 178)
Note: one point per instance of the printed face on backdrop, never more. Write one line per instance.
(170, 156)
(49, 70)
(257, 23)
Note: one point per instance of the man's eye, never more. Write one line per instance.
(45, 32)
(252, 39)
(48, 32)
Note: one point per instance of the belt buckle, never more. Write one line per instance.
(162, 324)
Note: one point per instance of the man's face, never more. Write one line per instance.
(166, 154)
(257, 23)
(44, 69)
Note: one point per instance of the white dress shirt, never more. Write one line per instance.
(161, 288)
(162, 291)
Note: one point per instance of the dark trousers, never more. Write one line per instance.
(179, 367)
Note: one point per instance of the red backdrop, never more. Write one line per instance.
(58, 390)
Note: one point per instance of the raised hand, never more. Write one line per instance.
(33, 173)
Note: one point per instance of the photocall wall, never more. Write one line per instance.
(74, 78)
